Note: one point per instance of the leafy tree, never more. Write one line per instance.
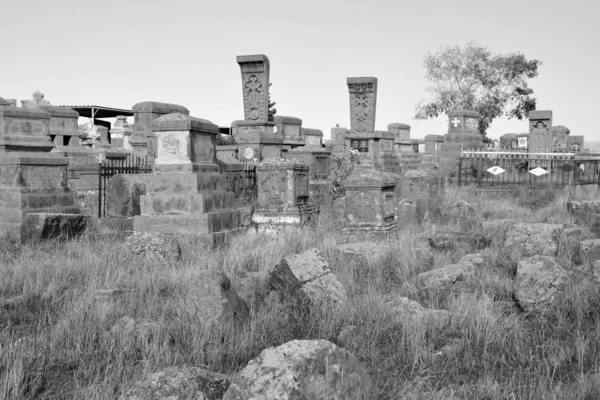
(473, 78)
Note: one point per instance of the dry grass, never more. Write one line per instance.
(57, 341)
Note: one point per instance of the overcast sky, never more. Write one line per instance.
(118, 53)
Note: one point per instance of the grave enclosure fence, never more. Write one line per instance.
(505, 171)
(109, 168)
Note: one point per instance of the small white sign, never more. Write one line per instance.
(496, 170)
(522, 142)
(538, 171)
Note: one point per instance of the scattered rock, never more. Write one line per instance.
(450, 274)
(586, 212)
(451, 240)
(498, 228)
(590, 250)
(154, 248)
(540, 279)
(462, 206)
(180, 383)
(303, 369)
(409, 312)
(534, 239)
(307, 276)
(47, 226)
(363, 251)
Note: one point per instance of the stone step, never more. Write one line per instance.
(171, 183)
(187, 224)
(185, 203)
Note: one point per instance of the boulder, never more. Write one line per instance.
(180, 383)
(541, 279)
(450, 274)
(46, 226)
(307, 276)
(447, 240)
(498, 228)
(534, 239)
(586, 212)
(590, 250)
(303, 369)
(409, 312)
(154, 248)
(123, 195)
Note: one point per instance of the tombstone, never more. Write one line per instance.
(337, 143)
(363, 104)
(419, 195)
(121, 133)
(318, 160)
(146, 112)
(283, 194)
(401, 131)
(560, 138)
(255, 135)
(36, 101)
(433, 143)
(32, 180)
(290, 129)
(540, 137)
(463, 134)
(312, 137)
(576, 143)
(186, 194)
(370, 202)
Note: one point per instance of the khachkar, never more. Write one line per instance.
(32, 180)
(376, 147)
(186, 194)
(255, 135)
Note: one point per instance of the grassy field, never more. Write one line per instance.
(56, 339)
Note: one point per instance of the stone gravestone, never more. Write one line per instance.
(255, 135)
(121, 133)
(186, 193)
(32, 180)
(540, 125)
(283, 194)
(146, 112)
(370, 202)
(560, 138)
(463, 134)
(318, 160)
(576, 143)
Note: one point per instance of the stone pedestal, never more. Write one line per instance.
(313, 137)
(186, 194)
(370, 202)
(63, 129)
(32, 183)
(24, 129)
(290, 130)
(401, 131)
(146, 112)
(283, 193)
(318, 161)
(419, 194)
(120, 134)
(256, 140)
(463, 134)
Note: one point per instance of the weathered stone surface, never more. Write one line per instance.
(363, 251)
(307, 276)
(590, 250)
(47, 226)
(180, 383)
(586, 213)
(154, 248)
(446, 240)
(450, 274)
(541, 279)
(123, 195)
(498, 228)
(217, 302)
(303, 369)
(408, 312)
(534, 239)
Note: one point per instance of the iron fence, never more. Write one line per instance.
(485, 169)
(109, 168)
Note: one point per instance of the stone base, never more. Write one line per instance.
(185, 203)
(292, 216)
(46, 226)
(214, 222)
(382, 230)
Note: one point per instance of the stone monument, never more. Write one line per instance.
(463, 134)
(255, 135)
(540, 127)
(283, 194)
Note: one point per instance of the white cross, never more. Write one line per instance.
(455, 122)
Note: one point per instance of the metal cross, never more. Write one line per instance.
(455, 122)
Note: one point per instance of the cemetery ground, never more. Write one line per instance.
(62, 307)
